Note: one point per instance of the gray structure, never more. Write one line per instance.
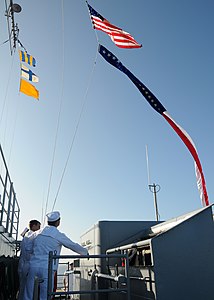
(172, 260)
(9, 211)
(183, 258)
(107, 234)
(7, 243)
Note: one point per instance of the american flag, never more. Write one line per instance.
(121, 38)
(155, 103)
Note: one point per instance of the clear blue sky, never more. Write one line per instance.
(106, 177)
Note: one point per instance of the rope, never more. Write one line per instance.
(147, 164)
(14, 127)
(21, 45)
(77, 125)
(79, 119)
(76, 129)
(4, 42)
(96, 35)
(6, 93)
(60, 109)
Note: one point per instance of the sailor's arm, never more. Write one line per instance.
(68, 243)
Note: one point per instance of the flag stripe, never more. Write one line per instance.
(155, 103)
(121, 38)
(25, 57)
(104, 25)
(190, 145)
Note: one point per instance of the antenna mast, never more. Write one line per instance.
(13, 30)
(154, 188)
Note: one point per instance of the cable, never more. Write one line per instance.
(147, 164)
(60, 109)
(76, 129)
(78, 122)
(4, 42)
(14, 127)
(7, 87)
(92, 24)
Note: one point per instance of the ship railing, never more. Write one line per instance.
(9, 208)
(122, 281)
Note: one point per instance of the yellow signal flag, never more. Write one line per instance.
(28, 89)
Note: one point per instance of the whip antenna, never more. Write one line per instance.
(147, 164)
(154, 188)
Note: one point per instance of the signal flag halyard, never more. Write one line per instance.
(28, 74)
(155, 103)
(25, 57)
(121, 38)
(28, 89)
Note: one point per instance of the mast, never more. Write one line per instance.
(13, 30)
(155, 188)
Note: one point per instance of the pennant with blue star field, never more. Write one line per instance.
(155, 103)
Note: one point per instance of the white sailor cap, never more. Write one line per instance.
(53, 216)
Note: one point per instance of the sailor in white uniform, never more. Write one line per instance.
(47, 239)
(24, 259)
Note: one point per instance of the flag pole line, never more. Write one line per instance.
(95, 32)
(44, 211)
(6, 92)
(75, 132)
(80, 115)
(76, 128)
(14, 129)
(147, 164)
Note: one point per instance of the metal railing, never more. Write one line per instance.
(9, 208)
(123, 281)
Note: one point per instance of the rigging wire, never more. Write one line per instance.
(147, 164)
(60, 109)
(14, 129)
(43, 202)
(96, 35)
(76, 129)
(4, 42)
(6, 92)
(77, 125)
(79, 119)
(16, 115)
